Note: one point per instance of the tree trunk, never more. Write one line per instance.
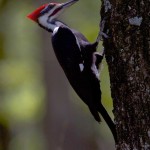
(127, 49)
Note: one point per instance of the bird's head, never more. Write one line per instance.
(47, 13)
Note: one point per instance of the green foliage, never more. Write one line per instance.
(21, 87)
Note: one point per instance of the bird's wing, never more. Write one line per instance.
(67, 51)
(79, 35)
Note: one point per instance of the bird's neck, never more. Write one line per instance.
(59, 23)
(50, 25)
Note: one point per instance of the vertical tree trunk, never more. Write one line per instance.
(127, 23)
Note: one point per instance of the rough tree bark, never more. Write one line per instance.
(127, 49)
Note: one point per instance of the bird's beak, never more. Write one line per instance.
(61, 7)
(67, 4)
(35, 14)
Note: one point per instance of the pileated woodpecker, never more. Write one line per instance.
(77, 57)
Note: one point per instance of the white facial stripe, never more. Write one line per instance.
(45, 20)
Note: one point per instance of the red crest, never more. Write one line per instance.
(35, 14)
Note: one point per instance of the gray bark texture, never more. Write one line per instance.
(127, 51)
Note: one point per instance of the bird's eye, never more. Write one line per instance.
(51, 6)
(47, 8)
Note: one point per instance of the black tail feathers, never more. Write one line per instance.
(95, 114)
(109, 121)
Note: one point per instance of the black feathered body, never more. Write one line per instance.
(70, 56)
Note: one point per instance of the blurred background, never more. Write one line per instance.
(38, 108)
